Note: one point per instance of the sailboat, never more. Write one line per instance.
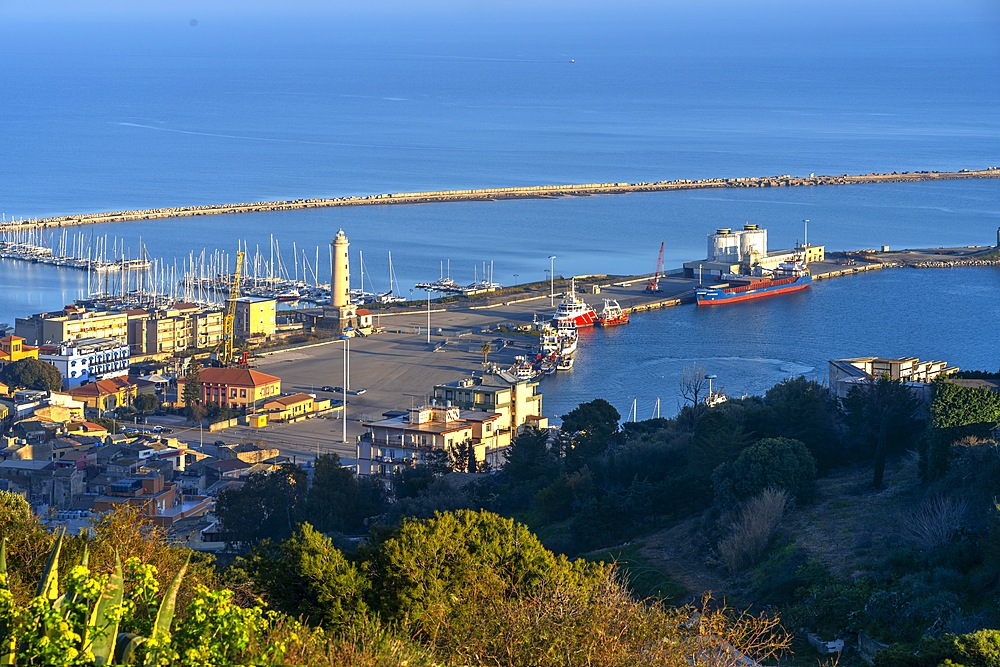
(392, 296)
(359, 296)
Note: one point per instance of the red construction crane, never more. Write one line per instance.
(654, 282)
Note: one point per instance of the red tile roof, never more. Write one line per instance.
(294, 399)
(101, 387)
(240, 377)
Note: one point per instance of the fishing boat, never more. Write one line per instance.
(524, 370)
(559, 340)
(565, 364)
(612, 314)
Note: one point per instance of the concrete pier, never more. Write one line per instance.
(495, 194)
(399, 367)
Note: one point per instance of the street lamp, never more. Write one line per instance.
(347, 342)
(343, 394)
(552, 280)
(515, 279)
(428, 317)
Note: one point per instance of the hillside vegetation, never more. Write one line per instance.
(873, 517)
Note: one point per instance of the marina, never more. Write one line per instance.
(77, 252)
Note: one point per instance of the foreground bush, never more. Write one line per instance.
(480, 589)
(464, 588)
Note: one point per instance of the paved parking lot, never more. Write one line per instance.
(399, 368)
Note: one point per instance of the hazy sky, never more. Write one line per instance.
(725, 10)
(973, 25)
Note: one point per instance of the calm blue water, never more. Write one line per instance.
(122, 107)
(752, 346)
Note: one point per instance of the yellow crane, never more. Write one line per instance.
(225, 353)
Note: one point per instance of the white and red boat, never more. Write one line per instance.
(574, 309)
(612, 314)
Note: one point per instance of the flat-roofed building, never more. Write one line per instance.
(87, 359)
(72, 323)
(847, 373)
(255, 317)
(414, 436)
(518, 403)
(181, 327)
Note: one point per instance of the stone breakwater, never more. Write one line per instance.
(495, 194)
(948, 264)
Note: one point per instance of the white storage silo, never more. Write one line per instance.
(724, 246)
(753, 243)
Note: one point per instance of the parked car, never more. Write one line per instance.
(333, 389)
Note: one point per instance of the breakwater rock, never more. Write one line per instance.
(495, 194)
(948, 264)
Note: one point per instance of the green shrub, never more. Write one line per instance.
(772, 463)
(307, 577)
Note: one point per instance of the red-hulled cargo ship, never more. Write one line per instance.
(789, 278)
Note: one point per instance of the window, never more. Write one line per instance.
(232, 393)
(489, 428)
(243, 393)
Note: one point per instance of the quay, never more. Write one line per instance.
(399, 366)
(502, 193)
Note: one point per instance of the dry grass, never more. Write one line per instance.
(935, 522)
(841, 528)
(752, 528)
(557, 627)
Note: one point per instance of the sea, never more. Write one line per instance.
(119, 105)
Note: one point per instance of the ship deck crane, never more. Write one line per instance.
(654, 281)
(225, 352)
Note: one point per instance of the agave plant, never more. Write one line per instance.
(81, 624)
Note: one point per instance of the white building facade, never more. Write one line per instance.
(87, 360)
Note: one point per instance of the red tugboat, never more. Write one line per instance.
(612, 314)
